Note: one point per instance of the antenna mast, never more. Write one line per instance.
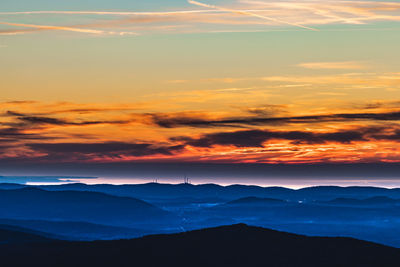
(186, 179)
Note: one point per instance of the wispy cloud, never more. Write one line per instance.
(247, 13)
(64, 28)
(47, 27)
(337, 65)
(176, 81)
(360, 79)
(121, 13)
(254, 16)
(328, 12)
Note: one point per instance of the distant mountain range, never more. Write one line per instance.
(33, 203)
(155, 191)
(105, 212)
(230, 246)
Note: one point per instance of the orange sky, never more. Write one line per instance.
(222, 81)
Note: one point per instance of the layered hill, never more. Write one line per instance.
(236, 245)
(10, 234)
(33, 203)
(153, 191)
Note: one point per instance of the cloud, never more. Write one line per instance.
(46, 27)
(174, 121)
(255, 15)
(357, 80)
(121, 13)
(92, 132)
(257, 138)
(330, 12)
(38, 120)
(105, 149)
(354, 79)
(378, 105)
(338, 65)
(267, 110)
(251, 14)
(21, 102)
(26, 127)
(13, 134)
(62, 28)
(176, 81)
(17, 32)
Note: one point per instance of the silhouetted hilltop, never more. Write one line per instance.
(95, 207)
(83, 231)
(236, 245)
(172, 191)
(10, 234)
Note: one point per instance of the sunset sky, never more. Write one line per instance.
(289, 82)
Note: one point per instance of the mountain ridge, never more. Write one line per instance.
(234, 245)
(149, 191)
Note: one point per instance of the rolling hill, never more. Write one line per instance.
(158, 191)
(236, 245)
(10, 234)
(33, 203)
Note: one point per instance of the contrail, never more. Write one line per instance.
(122, 13)
(62, 28)
(250, 14)
(47, 27)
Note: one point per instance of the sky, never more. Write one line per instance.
(152, 83)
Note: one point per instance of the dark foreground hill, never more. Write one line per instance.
(236, 245)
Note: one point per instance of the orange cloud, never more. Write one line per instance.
(337, 65)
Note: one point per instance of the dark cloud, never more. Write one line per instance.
(92, 110)
(164, 120)
(40, 120)
(112, 149)
(378, 104)
(394, 136)
(170, 121)
(17, 134)
(267, 110)
(21, 102)
(256, 138)
(27, 127)
(6, 140)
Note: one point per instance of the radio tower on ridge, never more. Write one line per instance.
(186, 179)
